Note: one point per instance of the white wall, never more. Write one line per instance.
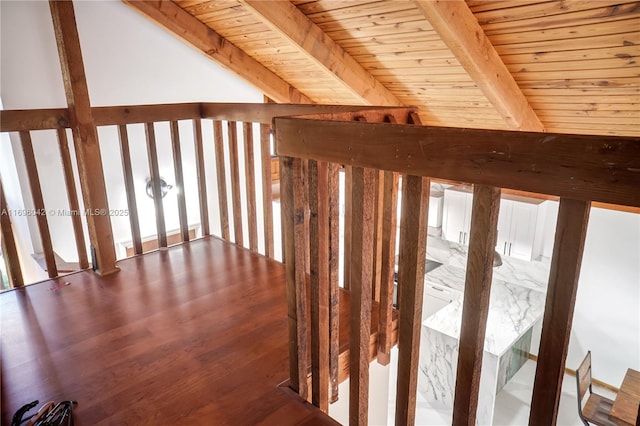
(607, 313)
(128, 60)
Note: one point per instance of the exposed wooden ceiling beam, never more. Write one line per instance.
(190, 29)
(284, 18)
(85, 135)
(459, 29)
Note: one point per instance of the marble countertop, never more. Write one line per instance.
(517, 295)
(513, 309)
(453, 256)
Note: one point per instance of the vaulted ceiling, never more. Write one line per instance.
(558, 66)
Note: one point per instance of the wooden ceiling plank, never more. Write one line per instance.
(286, 19)
(596, 42)
(554, 9)
(181, 23)
(460, 30)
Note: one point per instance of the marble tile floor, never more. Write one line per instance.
(512, 402)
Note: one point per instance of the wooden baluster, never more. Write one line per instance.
(389, 229)
(130, 188)
(377, 237)
(177, 167)
(293, 228)
(235, 183)
(475, 308)
(334, 290)
(152, 155)
(202, 177)
(267, 189)
(38, 203)
(348, 208)
(72, 196)
(413, 252)
(250, 184)
(9, 250)
(222, 179)
(361, 255)
(571, 232)
(319, 282)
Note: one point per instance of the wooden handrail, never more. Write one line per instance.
(595, 168)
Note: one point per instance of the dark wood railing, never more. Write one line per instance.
(235, 121)
(374, 146)
(577, 169)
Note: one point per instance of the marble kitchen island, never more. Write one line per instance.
(516, 305)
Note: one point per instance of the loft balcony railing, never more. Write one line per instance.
(376, 146)
(237, 130)
(376, 149)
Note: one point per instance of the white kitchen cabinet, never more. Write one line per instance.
(520, 225)
(456, 214)
(436, 202)
(520, 222)
(435, 298)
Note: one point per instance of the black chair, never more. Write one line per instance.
(597, 408)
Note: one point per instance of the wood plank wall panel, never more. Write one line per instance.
(575, 61)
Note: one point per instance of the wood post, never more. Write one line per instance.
(72, 197)
(250, 184)
(85, 136)
(222, 179)
(571, 232)
(389, 218)
(154, 171)
(202, 177)
(361, 255)
(334, 259)
(319, 282)
(177, 168)
(9, 250)
(267, 190)
(130, 188)
(293, 227)
(475, 308)
(236, 205)
(38, 203)
(413, 252)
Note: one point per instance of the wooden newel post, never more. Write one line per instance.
(85, 137)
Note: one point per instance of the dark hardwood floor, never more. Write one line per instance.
(196, 334)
